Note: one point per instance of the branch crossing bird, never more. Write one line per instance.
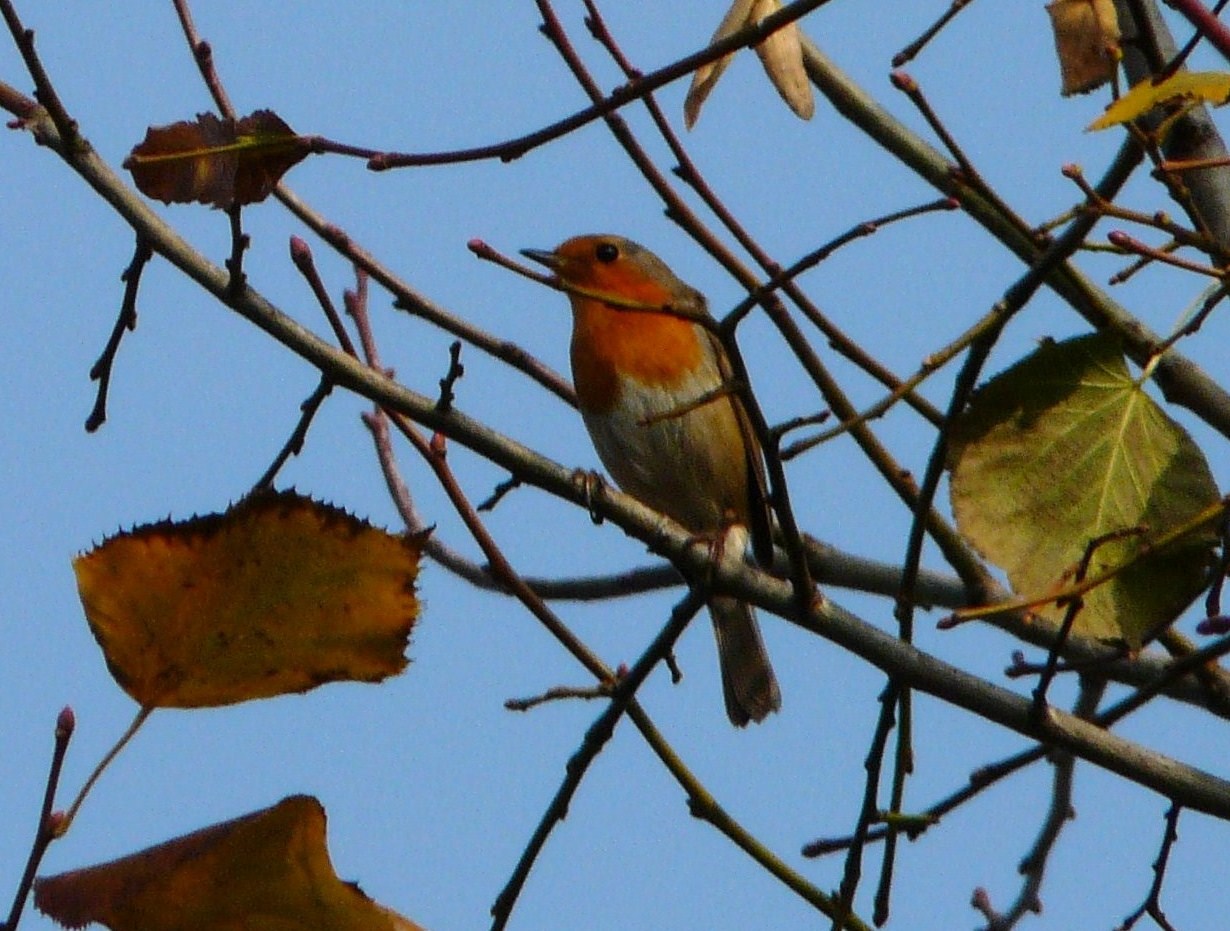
(654, 387)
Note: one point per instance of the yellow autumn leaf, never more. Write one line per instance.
(269, 870)
(278, 594)
(1211, 87)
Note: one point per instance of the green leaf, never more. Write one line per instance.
(1064, 448)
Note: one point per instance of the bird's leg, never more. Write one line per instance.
(727, 546)
(589, 483)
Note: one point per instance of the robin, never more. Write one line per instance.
(653, 384)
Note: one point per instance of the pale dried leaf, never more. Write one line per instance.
(781, 54)
(706, 77)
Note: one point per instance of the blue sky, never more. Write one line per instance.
(432, 788)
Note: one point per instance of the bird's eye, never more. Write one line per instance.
(606, 252)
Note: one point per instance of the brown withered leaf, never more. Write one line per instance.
(217, 161)
(269, 869)
(278, 594)
(1086, 41)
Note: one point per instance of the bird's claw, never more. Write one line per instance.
(589, 483)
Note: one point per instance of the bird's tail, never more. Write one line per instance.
(748, 682)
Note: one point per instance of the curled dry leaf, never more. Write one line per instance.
(278, 594)
(216, 161)
(1087, 42)
(269, 869)
(781, 54)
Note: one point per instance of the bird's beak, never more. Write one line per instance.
(543, 257)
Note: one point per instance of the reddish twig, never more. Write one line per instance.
(301, 256)
(1206, 23)
(1184, 53)
(1130, 244)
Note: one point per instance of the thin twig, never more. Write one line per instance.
(294, 443)
(868, 810)
(301, 256)
(49, 826)
(239, 245)
(506, 487)
(455, 371)
(559, 693)
(599, 732)
(1190, 46)
(910, 52)
(1073, 607)
(1059, 812)
(903, 768)
(1152, 905)
(1206, 23)
(203, 54)
(44, 91)
(127, 320)
(1130, 244)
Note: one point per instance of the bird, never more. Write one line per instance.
(654, 387)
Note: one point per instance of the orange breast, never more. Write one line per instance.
(655, 349)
